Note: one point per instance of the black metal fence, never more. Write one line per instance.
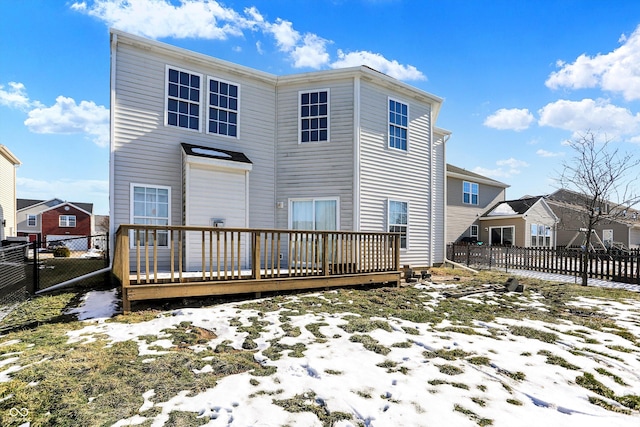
(612, 265)
(28, 268)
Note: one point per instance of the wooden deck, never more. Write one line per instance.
(157, 262)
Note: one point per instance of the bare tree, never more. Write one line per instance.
(102, 223)
(604, 179)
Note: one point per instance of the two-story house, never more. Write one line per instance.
(469, 195)
(620, 229)
(8, 165)
(200, 141)
(55, 219)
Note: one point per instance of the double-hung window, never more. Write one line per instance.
(183, 99)
(398, 124)
(314, 116)
(224, 98)
(32, 220)
(473, 231)
(67, 220)
(470, 193)
(150, 206)
(398, 220)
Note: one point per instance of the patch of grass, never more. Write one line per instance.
(308, 402)
(276, 348)
(533, 333)
(402, 344)
(616, 378)
(608, 406)
(185, 419)
(479, 360)
(364, 394)
(410, 331)
(579, 352)
(185, 335)
(525, 354)
(479, 402)
(472, 415)
(290, 331)
(450, 369)
(620, 348)
(370, 344)
(454, 354)
(460, 330)
(358, 324)
(552, 359)
(333, 372)
(481, 387)
(98, 384)
(47, 309)
(589, 382)
(314, 328)
(514, 402)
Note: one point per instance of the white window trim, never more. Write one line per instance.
(513, 233)
(300, 92)
(66, 222)
(131, 216)
(166, 98)
(312, 199)
(207, 107)
(471, 183)
(35, 220)
(389, 200)
(398, 150)
(477, 228)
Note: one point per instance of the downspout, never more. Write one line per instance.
(445, 138)
(112, 97)
(356, 153)
(77, 279)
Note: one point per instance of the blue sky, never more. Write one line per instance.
(518, 78)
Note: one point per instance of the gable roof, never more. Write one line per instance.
(513, 207)
(460, 173)
(47, 204)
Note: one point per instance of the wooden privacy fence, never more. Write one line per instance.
(615, 266)
(179, 261)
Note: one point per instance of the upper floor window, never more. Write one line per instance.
(398, 220)
(398, 124)
(32, 220)
(67, 220)
(183, 99)
(223, 108)
(470, 193)
(314, 116)
(150, 205)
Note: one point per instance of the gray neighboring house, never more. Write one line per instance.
(8, 165)
(526, 223)
(469, 195)
(200, 141)
(623, 231)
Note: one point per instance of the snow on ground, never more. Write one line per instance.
(402, 388)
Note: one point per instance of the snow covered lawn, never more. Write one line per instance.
(351, 357)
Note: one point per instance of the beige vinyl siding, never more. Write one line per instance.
(145, 151)
(634, 238)
(540, 215)
(316, 169)
(7, 198)
(461, 216)
(23, 215)
(389, 174)
(439, 200)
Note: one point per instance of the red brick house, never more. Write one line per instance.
(54, 219)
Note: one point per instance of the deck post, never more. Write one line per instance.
(255, 256)
(122, 246)
(325, 254)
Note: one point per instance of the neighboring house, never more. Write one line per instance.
(55, 219)
(469, 195)
(569, 206)
(527, 222)
(8, 165)
(200, 141)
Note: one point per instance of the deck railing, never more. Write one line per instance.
(157, 255)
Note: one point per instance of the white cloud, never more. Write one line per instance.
(513, 119)
(596, 115)
(208, 19)
(506, 168)
(378, 62)
(616, 71)
(67, 117)
(545, 153)
(15, 96)
(205, 19)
